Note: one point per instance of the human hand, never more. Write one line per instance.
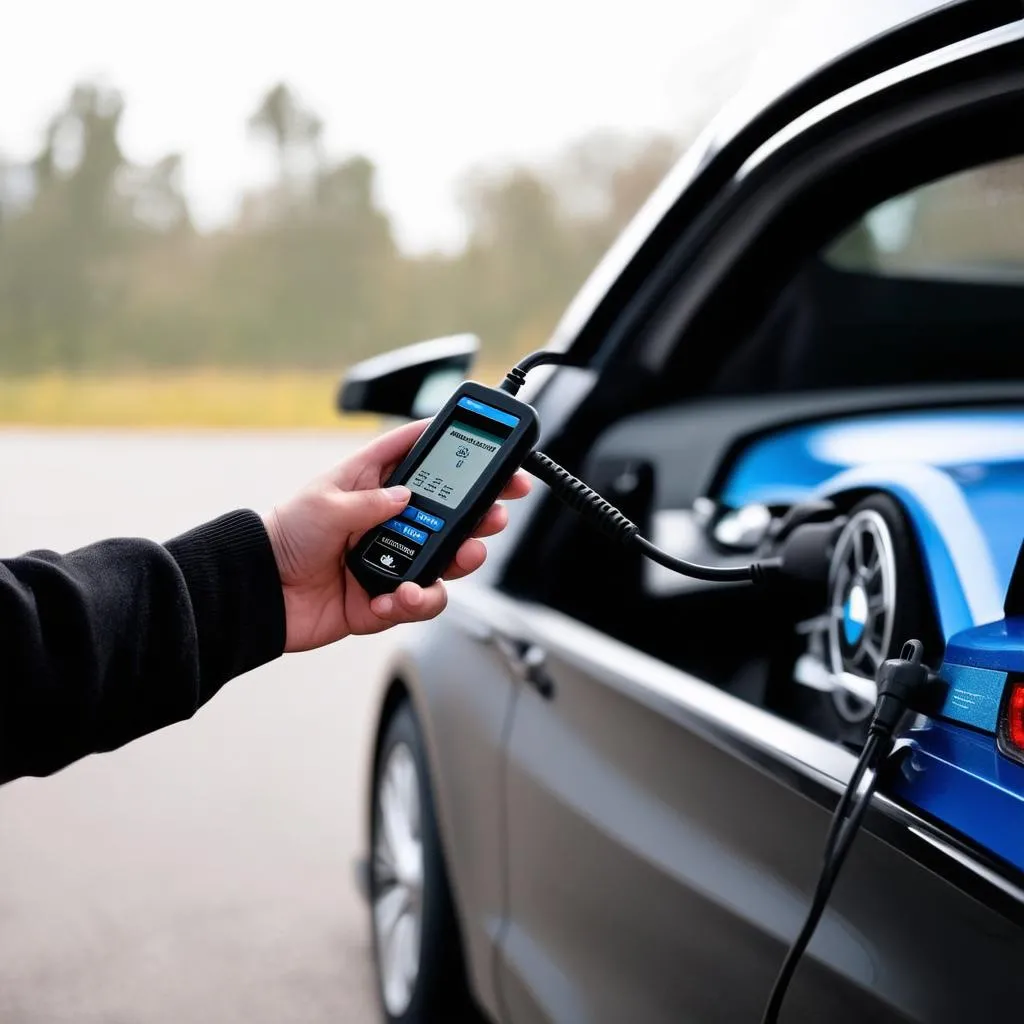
(313, 532)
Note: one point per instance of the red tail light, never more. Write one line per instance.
(1011, 730)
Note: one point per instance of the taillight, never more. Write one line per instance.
(1011, 725)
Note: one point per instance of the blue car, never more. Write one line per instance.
(931, 546)
(599, 791)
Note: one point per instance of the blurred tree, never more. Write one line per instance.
(101, 268)
(65, 255)
(293, 130)
(47, 284)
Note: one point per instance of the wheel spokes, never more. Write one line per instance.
(398, 878)
(389, 910)
(860, 613)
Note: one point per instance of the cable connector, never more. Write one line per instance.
(905, 684)
(516, 377)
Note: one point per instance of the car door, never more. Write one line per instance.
(663, 835)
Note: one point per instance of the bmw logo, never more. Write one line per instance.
(855, 614)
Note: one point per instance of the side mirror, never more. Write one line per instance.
(411, 382)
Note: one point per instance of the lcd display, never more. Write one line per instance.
(456, 461)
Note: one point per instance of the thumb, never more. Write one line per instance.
(360, 510)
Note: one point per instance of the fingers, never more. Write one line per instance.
(386, 450)
(496, 518)
(470, 556)
(494, 521)
(517, 487)
(357, 511)
(410, 603)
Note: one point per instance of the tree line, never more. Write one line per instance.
(102, 269)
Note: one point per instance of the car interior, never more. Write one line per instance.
(913, 298)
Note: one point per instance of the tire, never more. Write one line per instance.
(416, 944)
(904, 611)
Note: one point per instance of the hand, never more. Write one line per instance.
(313, 532)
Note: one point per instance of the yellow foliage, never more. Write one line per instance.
(200, 398)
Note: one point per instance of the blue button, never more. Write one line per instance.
(434, 523)
(407, 531)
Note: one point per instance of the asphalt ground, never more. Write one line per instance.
(204, 873)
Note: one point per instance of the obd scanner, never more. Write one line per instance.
(455, 471)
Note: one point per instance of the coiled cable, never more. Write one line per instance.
(603, 515)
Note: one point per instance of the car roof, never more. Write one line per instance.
(819, 49)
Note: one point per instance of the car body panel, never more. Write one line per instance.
(955, 770)
(463, 708)
(994, 645)
(958, 776)
(649, 880)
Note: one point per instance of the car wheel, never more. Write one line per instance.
(877, 600)
(417, 950)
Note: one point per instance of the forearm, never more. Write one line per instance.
(117, 639)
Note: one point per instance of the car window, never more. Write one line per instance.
(966, 227)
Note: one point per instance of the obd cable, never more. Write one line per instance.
(802, 555)
(904, 684)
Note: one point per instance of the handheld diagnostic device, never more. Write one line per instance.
(455, 471)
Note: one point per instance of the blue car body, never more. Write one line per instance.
(959, 475)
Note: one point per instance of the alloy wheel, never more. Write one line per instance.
(862, 605)
(398, 878)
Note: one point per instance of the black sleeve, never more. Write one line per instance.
(117, 639)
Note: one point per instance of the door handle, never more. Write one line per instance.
(527, 661)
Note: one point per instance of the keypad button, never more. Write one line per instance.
(425, 519)
(388, 554)
(407, 531)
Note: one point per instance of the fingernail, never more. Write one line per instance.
(384, 605)
(413, 596)
(398, 493)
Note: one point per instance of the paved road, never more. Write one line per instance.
(202, 874)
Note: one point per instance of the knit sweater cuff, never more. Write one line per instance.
(233, 581)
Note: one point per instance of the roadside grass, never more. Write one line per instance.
(194, 398)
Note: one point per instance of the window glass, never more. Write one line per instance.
(967, 227)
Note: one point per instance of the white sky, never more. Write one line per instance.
(426, 88)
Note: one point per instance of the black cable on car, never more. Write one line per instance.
(904, 683)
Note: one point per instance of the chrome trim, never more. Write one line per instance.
(948, 54)
(992, 877)
(744, 528)
(812, 672)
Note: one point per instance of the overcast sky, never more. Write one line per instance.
(426, 88)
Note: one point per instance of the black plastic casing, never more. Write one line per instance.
(435, 554)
